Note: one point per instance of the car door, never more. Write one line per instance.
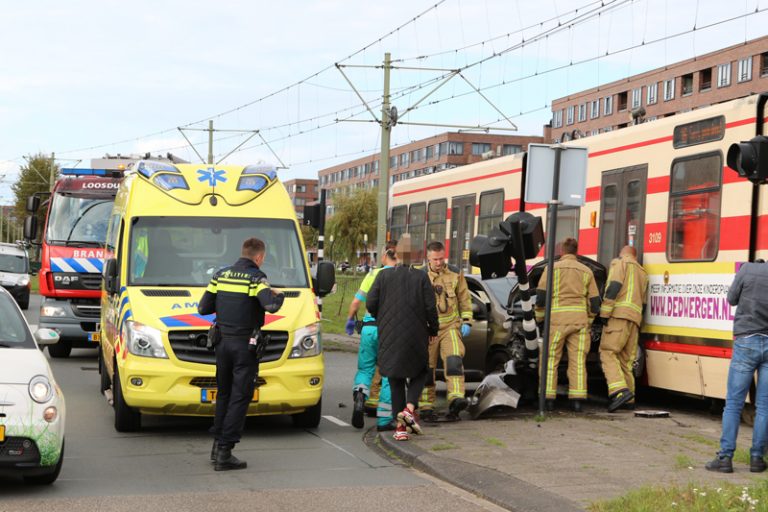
(476, 344)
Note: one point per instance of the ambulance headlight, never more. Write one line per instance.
(143, 340)
(306, 342)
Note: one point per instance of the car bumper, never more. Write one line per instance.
(169, 389)
(71, 327)
(20, 293)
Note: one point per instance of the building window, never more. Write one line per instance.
(436, 214)
(415, 155)
(443, 148)
(724, 75)
(745, 69)
(557, 119)
(299, 201)
(705, 79)
(569, 116)
(764, 64)
(608, 106)
(687, 84)
(652, 93)
(582, 112)
(430, 152)
(403, 159)
(511, 149)
(417, 220)
(669, 89)
(491, 211)
(595, 132)
(478, 148)
(637, 97)
(694, 208)
(607, 129)
(393, 162)
(622, 102)
(594, 109)
(455, 148)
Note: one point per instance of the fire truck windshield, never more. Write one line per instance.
(77, 220)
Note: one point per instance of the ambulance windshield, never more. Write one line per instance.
(186, 251)
(78, 221)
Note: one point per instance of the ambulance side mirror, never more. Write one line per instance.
(324, 279)
(111, 282)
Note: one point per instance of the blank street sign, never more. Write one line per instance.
(541, 169)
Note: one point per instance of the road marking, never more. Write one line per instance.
(337, 421)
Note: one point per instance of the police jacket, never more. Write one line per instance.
(575, 299)
(626, 290)
(747, 293)
(454, 304)
(239, 295)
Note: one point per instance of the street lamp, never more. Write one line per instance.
(365, 248)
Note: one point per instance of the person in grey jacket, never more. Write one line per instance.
(403, 303)
(748, 293)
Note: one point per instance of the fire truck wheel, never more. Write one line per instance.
(127, 419)
(60, 350)
(104, 375)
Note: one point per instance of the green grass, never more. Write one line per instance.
(336, 305)
(439, 447)
(740, 456)
(34, 284)
(691, 497)
(683, 461)
(495, 442)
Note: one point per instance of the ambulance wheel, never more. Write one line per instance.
(127, 419)
(47, 478)
(103, 374)
(60, 350)
(310, 418)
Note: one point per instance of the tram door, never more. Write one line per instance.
(462, 227)
(622, 212)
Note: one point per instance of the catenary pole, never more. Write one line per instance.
(386, 129)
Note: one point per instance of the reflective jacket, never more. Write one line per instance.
(454, 304)
(239, 295)
(575, 299)
(626, 290)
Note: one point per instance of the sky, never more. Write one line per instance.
(84, 78)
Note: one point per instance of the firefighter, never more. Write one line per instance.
(367, 354)
(621, 313)
(575, 303)
(454, 311)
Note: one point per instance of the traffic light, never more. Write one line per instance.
(750, 159)
(493, 253)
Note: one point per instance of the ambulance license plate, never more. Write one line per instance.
(208, 396)
(2, 433)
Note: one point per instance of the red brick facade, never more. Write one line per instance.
(302, 192)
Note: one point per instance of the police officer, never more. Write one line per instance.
(367, 354)
(622, 313)
(239, 295)
(454, 311)
(575, 303)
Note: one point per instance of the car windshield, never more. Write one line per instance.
(186, 251)
(500, 288)
(77, 220)
(13, 330)
(13, 263)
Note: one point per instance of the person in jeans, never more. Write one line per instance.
(750, 354)
(403, 303)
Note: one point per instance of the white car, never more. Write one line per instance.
(32, 409)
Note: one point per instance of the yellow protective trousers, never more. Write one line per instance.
(618, 349)
(576, 338)
(450, 348)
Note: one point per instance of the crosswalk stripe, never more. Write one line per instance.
(337, 421)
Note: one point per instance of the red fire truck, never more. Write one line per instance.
(72, 253)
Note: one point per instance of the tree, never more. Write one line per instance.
(34, 177)
(354, 216)
(309, 234)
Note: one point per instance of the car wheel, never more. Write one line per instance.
(24, 304)
(127, 419)
(103, 374)
(310, 418)
(60, 350)
(48, 478)
(495, 361)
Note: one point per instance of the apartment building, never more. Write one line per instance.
(705, 80)
(426, 156)
(302, 192)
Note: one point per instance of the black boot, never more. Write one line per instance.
(619, 398)
(757, 464)
(225, 461)
(428, 416)
(721, 463)
(358, 410)
(457, 405)
(576, 405)
(214, 451)
(549, 405)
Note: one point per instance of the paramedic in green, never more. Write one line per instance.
(367, 353)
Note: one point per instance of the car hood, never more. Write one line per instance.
(19, 365)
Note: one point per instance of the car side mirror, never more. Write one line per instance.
(325, 278)
(30, 227)
(111, 281)
(46, 337)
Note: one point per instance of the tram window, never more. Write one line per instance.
(694, 208)
(567, 225)
(416, 222)
(491, 211)
(608, 223)
(436, 220)
(397, 226)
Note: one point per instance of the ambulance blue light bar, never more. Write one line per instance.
(89, 172)
(149, 167)
(171, 182)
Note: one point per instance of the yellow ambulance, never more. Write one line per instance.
(171, 228)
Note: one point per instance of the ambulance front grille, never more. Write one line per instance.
(190, 346)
